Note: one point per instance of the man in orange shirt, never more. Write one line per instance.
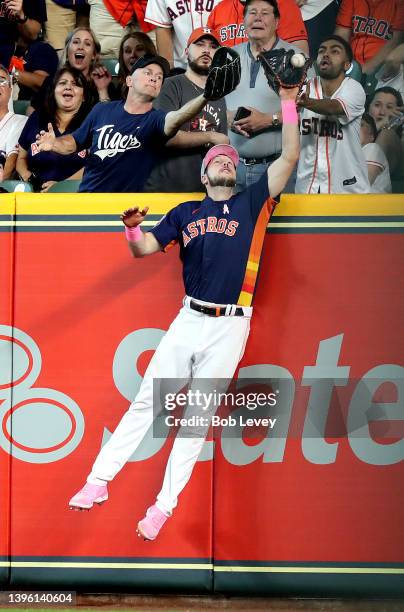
(373, 28)
(228, 21)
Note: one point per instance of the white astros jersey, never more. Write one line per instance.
(183, 16)
(331, 156)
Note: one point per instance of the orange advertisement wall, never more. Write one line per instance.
(313, 511)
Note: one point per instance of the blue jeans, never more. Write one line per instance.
(247, 175)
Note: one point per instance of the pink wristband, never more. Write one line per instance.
(289, 113)
(133, 234)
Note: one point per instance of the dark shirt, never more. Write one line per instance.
(9, 33)
(220, 243)
(123, 147)
(47, 165)
(179, 170)
(38, 56)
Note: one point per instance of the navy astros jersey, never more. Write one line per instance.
(220, 243)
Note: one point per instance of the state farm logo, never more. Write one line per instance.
(110, 143)
(38, 425)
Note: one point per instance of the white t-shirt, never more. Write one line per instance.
(10, 129)
(375, 156)
(331, 156)
(311, 8)
(184, 16)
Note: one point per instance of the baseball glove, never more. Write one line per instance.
(280, 72)
(224, 74)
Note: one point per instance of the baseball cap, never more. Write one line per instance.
(227, 150)
(148, 59)
(199, 33)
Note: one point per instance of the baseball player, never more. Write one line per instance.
(220, 242)
(331, 159)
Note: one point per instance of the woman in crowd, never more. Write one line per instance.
(133, 46)
(378, 166)
(386, 105)
(65, 108)
(82, 52)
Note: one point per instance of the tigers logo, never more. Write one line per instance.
(110, 143)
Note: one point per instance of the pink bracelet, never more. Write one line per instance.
(289, 113)
(133, 234)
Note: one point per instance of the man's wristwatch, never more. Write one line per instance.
(22, 19)
(275, 120)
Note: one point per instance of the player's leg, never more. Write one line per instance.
(173, 358)
(215, 361)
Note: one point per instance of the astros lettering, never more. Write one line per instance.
(321, 127)
(211, 224)
(181, 7)
(369, 25)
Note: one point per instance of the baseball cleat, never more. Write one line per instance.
(89, 495)
(148, 528)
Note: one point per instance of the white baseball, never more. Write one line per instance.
(298, 60)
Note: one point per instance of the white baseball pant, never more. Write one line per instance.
(197, 346)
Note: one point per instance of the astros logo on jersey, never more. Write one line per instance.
(209, 225)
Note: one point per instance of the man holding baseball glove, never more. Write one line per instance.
(220, 242)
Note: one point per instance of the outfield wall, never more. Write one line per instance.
(316, 508)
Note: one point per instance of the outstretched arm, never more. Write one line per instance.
(140, 243)
(47, 141)
(280, 171)
(325, 106)
(175, 119)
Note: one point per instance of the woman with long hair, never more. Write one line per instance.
(65, 108)
(385, 105)
(81, 52)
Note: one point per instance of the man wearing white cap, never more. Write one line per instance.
(220, 242)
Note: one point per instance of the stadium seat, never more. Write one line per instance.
(354, 71)
(16, 186)
(68, 186)
(397, 185)
(369, 83)
(20, 106)
(112, 65)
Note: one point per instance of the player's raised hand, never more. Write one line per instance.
(134, 216)
(46, 140)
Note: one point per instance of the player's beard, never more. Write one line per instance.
(221, 181)
(195, 67)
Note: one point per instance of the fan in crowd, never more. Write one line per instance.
(11, 126)
(65, 108)
(19, 18)
(179, 169)
(385, 105)
(81, 53)
(133, 46)
(378, 166)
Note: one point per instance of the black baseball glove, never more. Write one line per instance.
(279, 70)
(224, 74)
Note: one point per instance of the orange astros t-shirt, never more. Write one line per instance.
(227, 19)
(372, 23)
